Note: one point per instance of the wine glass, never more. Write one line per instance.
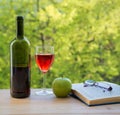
(44, 58)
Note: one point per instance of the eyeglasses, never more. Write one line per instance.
(102, 85)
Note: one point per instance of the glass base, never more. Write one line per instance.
(44, 92)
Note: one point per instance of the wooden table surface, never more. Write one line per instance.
(50, 105)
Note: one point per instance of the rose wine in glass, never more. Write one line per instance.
(44, 58)
(44, 61)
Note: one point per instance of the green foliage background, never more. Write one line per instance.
(85, 34)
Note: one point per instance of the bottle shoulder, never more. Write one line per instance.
(27, 40)
(23, 41)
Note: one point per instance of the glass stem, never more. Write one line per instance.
(44, 80)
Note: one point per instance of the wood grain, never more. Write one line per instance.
(50, 105)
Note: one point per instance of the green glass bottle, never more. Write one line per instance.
(20, 60)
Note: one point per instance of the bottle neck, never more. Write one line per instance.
(20, 29)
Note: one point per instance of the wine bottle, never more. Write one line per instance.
(20, 59)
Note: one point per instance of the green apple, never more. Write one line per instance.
(61, 86)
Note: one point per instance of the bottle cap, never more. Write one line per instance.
(20, 18)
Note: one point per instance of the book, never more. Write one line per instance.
(92, 95)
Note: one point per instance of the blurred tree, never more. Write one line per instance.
(85, 34)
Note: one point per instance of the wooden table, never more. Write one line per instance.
(50, 105)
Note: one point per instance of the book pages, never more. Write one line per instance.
(94, 93)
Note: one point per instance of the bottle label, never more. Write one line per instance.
(21, 79)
